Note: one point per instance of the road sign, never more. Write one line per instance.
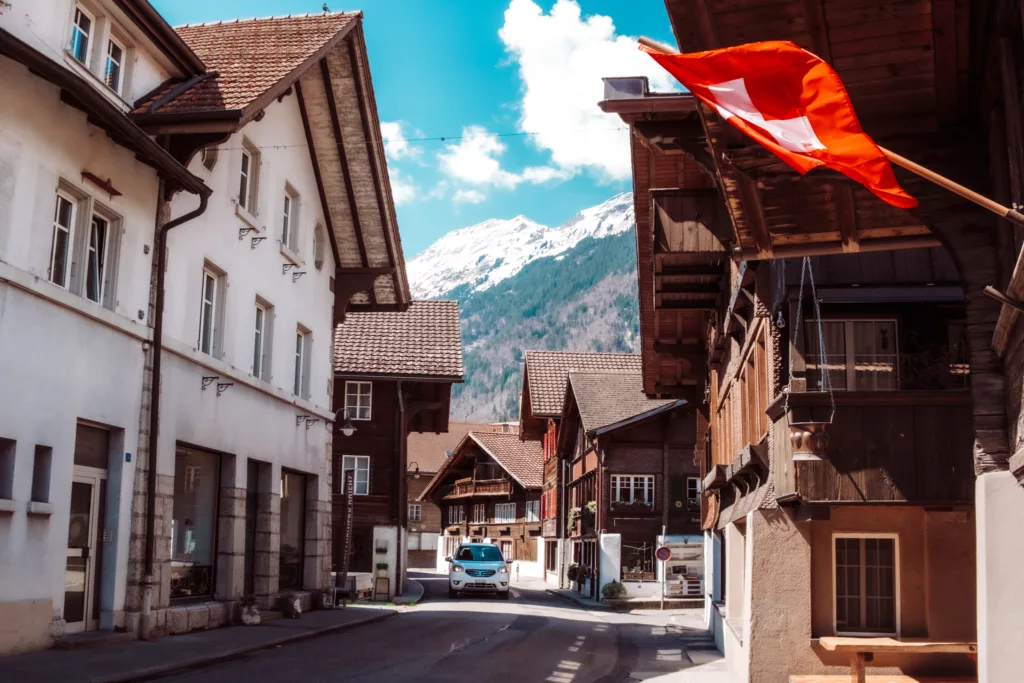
(663, 554)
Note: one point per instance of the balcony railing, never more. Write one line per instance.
(931, 370)
(480, 487)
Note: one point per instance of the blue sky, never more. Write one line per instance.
(474, 71)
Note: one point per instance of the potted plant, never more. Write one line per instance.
(382, 570)
(572, 572)
(291, 606)
(250, 611)
(613, 590)
(573, 518)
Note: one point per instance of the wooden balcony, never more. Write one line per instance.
(881, 447)
(465, 488)
(584, 465)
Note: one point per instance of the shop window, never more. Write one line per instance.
(194, 523)
(637, 561)
(293, 528)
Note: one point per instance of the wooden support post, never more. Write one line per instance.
(857, 672)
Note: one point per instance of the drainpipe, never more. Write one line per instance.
(159, 249)
(402, 505)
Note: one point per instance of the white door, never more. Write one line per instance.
(83, 552)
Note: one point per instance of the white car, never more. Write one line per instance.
(477, 568)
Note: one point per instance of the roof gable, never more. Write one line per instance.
(606, 400)
(547, 373)
(523, 460)
(429, 451)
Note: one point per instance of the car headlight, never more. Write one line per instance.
(503, 570)
(457, 568)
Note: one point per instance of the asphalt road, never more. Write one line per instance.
(534, 636)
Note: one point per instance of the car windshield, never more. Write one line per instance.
(479, 553)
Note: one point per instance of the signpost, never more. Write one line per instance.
(347, 543)
(663, 554)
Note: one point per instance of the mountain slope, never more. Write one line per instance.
(568, 288)
(485, 254)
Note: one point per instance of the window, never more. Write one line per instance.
(262, 339)
(462, 514)
(96, 259)
(293, 529)
(359, 465)
(41, 474)
(859, 355)
(7, 448)
(505, 512)
(415, 512)
(637, 562)
(451, 545)
(210, 313)
(194, 523)
(60, 249)
(692, 492)
(551, 556)
(81, 29)
(506, 550)
(248, 177)
(358, 397)
(480, 513)
(113, 68)
(319, 246)
(865, 584)
(629, 489)
(290, 220)
(533, 511)
(302, 343)
(453, 514)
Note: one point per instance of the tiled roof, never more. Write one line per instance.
(548, 371)
(422, 341)
(524, 460)
(429, 450)
(605, 398)
(249, 57)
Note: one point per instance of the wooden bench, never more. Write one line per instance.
(863, 650)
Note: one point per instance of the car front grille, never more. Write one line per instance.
(479, 584)
(480, 572)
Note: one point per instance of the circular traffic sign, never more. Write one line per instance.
(663, 554)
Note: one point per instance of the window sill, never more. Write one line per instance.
(247, 217)
(7, 506)
(41, 509)
(290, 255)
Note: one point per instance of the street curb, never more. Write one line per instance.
(161, 670)
(415, 586)
(575, 601)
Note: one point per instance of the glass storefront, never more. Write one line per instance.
(194, 525)
(293, 528)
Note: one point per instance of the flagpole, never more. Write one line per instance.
(940, 180)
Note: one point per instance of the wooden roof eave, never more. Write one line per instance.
(442, 471)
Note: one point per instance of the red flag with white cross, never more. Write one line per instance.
(793, 103)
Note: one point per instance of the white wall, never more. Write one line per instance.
(62, 357)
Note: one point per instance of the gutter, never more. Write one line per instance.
(145, 623)
(668, 407)
(403, 506)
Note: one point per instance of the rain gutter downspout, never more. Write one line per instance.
(402, 503)
(145, 622)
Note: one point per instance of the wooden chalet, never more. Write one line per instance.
(875, 477)
(489, 492)
(631, 479)
(393, 373)
(545, 377)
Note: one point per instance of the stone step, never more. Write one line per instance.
(91, 639)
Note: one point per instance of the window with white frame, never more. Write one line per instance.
(359, 465)
(262, 338)
(692, 492)
(456, 514)
(96, 258)
(248, 177)
(480, 513)
(358, 400)
(533, 511)
(60, 247)
(866, 589)
(506, 550)
(633, 489)
(113, 66)
(290, 220)
(81, 35)
(303, 340)
(505, 513)
(859, 355)
(415, 512)
(211, 313)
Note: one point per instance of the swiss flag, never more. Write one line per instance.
(793, 103)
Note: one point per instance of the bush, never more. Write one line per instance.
(614, 589)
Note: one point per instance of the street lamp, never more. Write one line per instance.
(347, 428)
(416, 471)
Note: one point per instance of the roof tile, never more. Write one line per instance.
(604, 398)
(422, 341)
(548, 371)
(524, 460)
(429, 450)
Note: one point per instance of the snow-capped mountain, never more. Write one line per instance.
(487, 253)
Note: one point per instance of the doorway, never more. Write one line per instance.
(83, 566)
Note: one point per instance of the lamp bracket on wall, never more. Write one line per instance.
(242, 232)
(310, 421)
(223, 386)
(300, 418)
(207, 381)
(297, 274)
(255, 241)
(286, 267)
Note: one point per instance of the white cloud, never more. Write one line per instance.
(396, 146)
(474, 160)
(439, 191)
(403, 190)
(562, 58)
(468, 197)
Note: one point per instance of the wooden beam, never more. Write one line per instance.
(316, 172)
(826, 248)
(945, 41)
(684, 288)
(817, 27)
(846, 217)
(332, 105)
(1003, 299)
(754, 213)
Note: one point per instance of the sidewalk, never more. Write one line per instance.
(412, 594)
(579, 599)
(139, 660)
